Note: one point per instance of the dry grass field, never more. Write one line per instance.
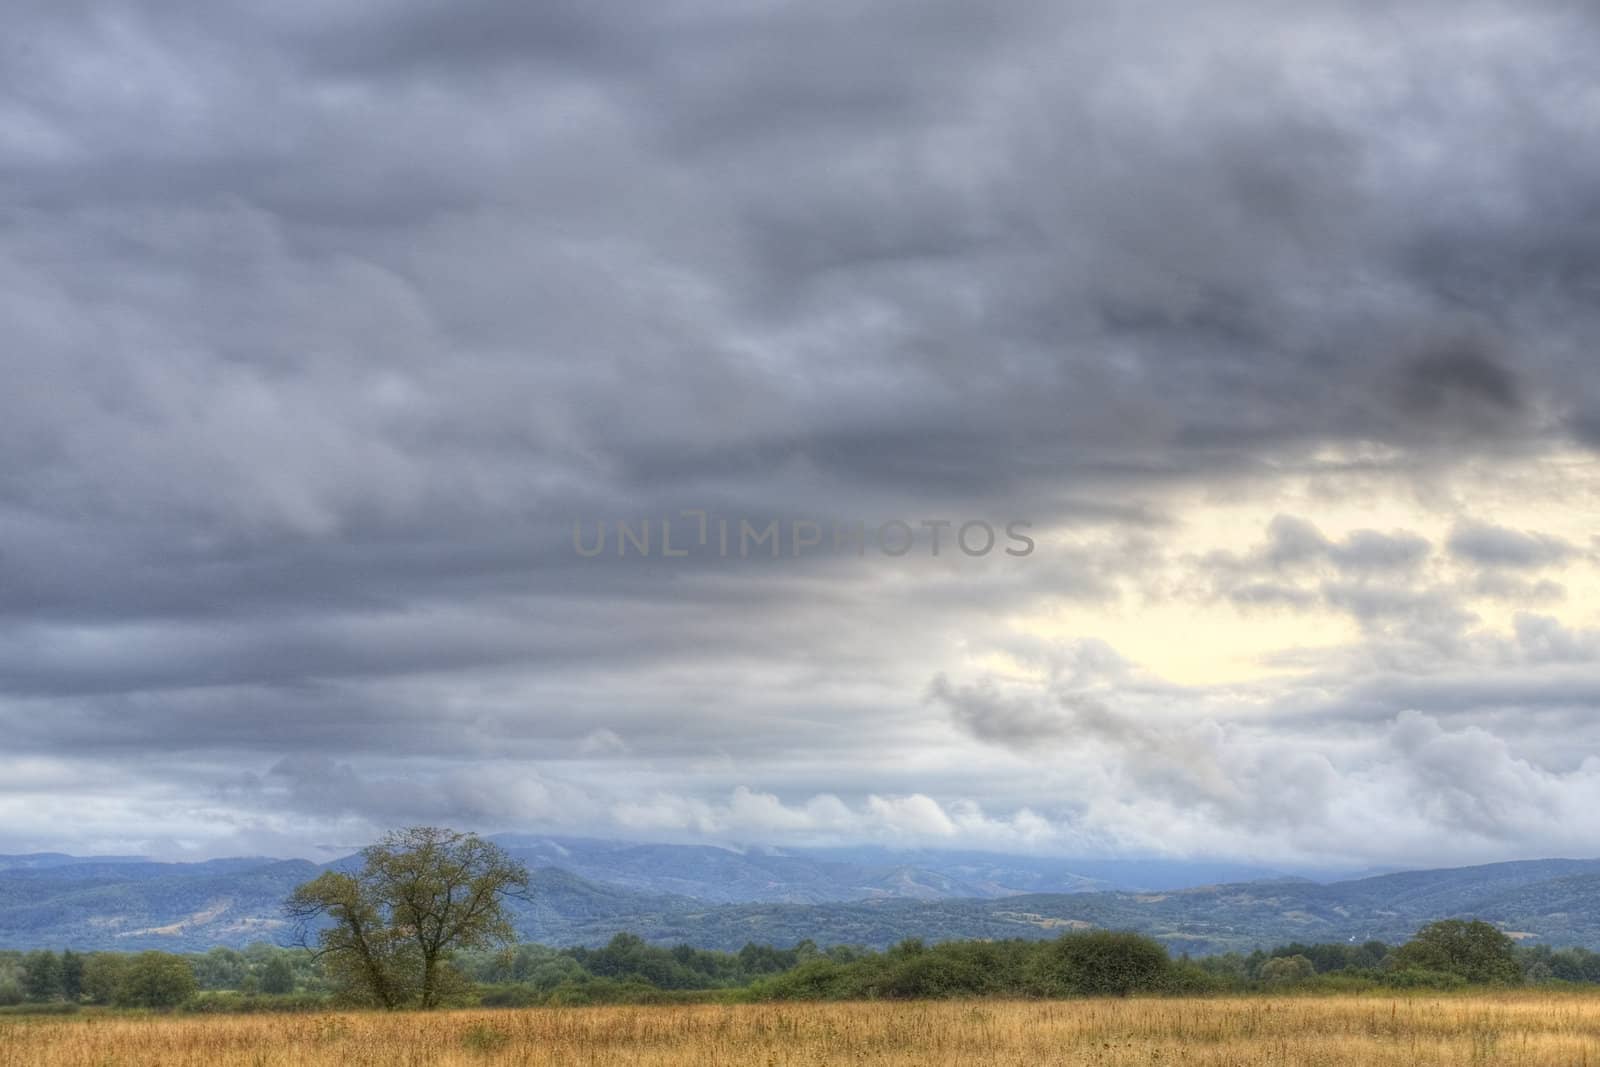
(1532, 1029)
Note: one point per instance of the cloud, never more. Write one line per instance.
(1488, 545)
(325, 324)
(1459, 374)
(1308, 785)
(910, 820)
(1296, 546)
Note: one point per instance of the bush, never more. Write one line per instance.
(511, 996)
(231, 1003)
(1100, 963)
(1190, 979)
(955, 969)
(820, 979)
(1346, 981)
(607, 991)
(1422, 978)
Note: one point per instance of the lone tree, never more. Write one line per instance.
(387, 931)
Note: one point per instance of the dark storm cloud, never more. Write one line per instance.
(323, 324)
(1458, 374)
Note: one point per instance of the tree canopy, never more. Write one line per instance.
(387, 931)
(1471, 950)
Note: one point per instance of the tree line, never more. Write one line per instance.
(421, 922)
(1446, 955)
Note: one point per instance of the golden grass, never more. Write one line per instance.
(1515, 1028)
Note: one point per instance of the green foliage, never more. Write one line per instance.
(41, 976)
(1545, 964)
(277, 977)
(1287, 970)
(1337, 957)
(511, 996)
(1473, 951)
(147, 980)
(1100, 963)
(220, 968)
(819, 979)
(960, 968)
(71, 976)
(1422, 978)
(628, 958)
(365, 952)
(155, 980)
(235, 1003)
(535, 966)
(421, 895)
(607, 991)
(102, 976)
(628, 970)
(1185, 978)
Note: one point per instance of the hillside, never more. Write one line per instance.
(1555, 902)
(811, 876)
(121, 904)
(130, 906)
(191, 907)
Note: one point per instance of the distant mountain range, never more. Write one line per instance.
(815, 876)
(586, 891)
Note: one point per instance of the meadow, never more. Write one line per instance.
(1529, 1028)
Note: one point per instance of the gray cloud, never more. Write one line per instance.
(1496, 546)
(1375, 577)
(1459, 374)
(323, 325)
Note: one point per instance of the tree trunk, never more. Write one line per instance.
(427, 982)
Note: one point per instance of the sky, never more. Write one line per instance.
(335, 333)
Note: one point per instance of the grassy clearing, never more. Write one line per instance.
(1537, 1030)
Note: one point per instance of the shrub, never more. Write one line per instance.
(1190, 979)
(231, 1003)
(820, 979)
(1422, 978)
(511, 996)
(1100, 963)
